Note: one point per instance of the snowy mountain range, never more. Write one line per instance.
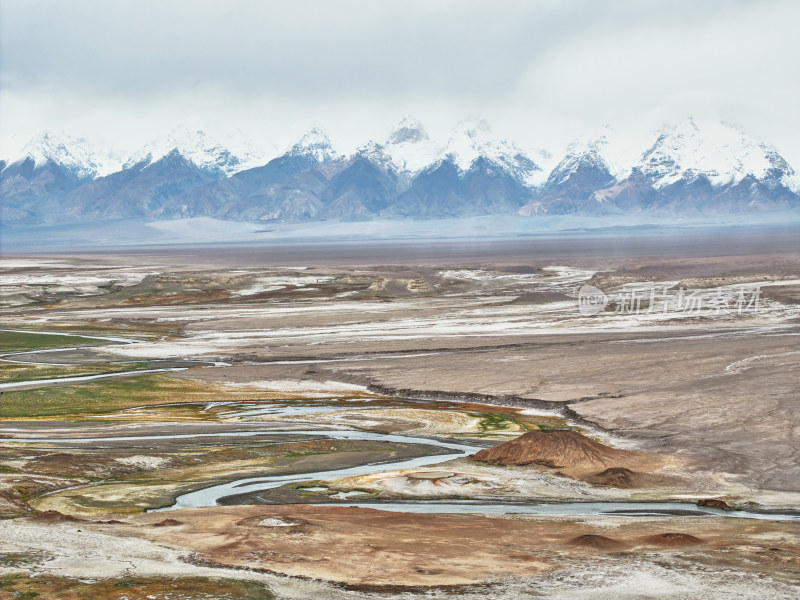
(689, 169)
(198, 148)
(722, 154)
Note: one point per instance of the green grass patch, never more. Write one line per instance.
(495, 421)
(298, 454)
(102, 396)
(544, 422)
(11, 341)
(11, 372)
(156, 588)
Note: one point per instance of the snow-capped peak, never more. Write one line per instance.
(194, 145)
(592, 143)
(408, 148)
(408, 130)
(589, 150)
(314, 143)
(245, 149)
(473, 138)
(73, 153)
(720, 152)
(469, 140)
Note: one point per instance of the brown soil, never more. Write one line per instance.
(673, 540)
(563, 449)
(53, 516)
(623, 478)
(78, 463)
(787, 294)
(714, 503)
(370, 548)
(596, 542)
(616, 477)
(176, 298)
(167, 523)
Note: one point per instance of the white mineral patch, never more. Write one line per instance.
(299, 386)
(345, 495)
(277, 522)
(278, 282)
(147, 463)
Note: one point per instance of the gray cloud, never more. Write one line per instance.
(542, 69)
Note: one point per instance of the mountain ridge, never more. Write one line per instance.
(689, 169)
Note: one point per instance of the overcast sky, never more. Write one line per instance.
(539, 72)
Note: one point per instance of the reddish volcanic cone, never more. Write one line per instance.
(557, 449)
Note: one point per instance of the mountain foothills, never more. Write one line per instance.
(689, 170)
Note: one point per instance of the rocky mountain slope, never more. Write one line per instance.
(713, 169)
(689, 170)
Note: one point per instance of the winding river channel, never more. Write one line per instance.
(210, 496)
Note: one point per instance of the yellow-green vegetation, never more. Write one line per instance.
(493, 422)
(27, 372)
(201, 412)
(104, 396)
(118, 327)
(108, 395)
(13, 341)
(514, 422)
(142, 295)
(502, 418)
(21, 587)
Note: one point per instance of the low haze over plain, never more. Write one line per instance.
(540, 72)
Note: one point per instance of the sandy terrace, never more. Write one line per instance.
(401, 549)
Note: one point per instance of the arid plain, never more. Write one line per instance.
(404, 420)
